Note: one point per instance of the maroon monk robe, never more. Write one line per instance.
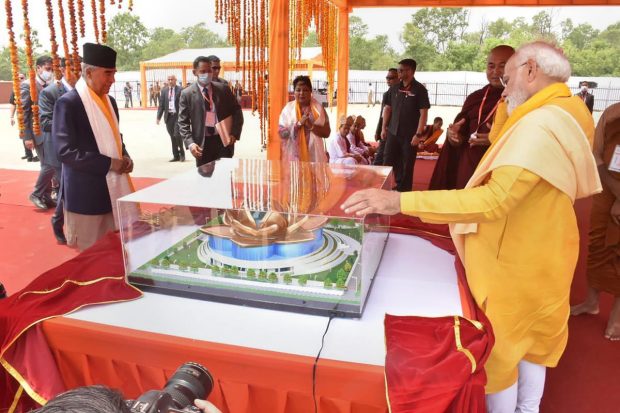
(456, 164)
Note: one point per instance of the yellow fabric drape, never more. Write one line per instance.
(304, 155)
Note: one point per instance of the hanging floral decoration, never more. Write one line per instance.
(104, 33)
(15, 67)
(75, 54)
(93, 7)
(324, 15)
(63, 33)
(80, 10)
(34, 95)
(53, 43)
(248, 30)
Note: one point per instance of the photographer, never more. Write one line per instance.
(100, 399)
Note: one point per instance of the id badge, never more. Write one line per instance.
(614, 164)
(473, 136)
(210, 120)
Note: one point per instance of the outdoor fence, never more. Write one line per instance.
(440, 94)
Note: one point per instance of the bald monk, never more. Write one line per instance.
(604, 248)
(514, 225)
(467, 138)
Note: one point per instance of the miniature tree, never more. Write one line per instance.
(273, 277)
(341, 274)
(182, 265)
(340, 283)
(327, 283)
(262, 275)
(287, 278)
(251, 273)
(165, 263)
(303, 280)
(347, 266)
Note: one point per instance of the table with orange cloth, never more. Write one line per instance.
(261, 359)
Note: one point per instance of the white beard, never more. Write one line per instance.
(515, 100)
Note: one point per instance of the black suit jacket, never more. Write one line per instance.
(589, 100)
(192, 112)
(164, 101)
(84, 168)
(47, 100)
(24, 89)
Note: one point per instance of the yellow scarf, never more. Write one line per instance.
(561, 156)
(304, 156)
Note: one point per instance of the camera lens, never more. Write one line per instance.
(190, 381)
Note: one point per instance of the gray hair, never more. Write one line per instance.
(85, 67)
(89, 399)
(549, 58)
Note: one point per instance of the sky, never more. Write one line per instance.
(154, 13)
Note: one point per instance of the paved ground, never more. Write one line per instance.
(149, 144)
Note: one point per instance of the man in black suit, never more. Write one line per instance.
(169, 108)
(210, 118)
(392, 79)
(47, 100)
(587, 97)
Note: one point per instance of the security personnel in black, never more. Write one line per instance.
(404, 119)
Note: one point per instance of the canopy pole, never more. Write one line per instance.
(342, 95)
(278, 70)
(143, 84)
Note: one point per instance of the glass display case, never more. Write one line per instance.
(256, 232)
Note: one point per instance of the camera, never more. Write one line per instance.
(191, 381)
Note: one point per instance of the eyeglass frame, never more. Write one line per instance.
(504, 82)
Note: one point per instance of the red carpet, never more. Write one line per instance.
(587, 379)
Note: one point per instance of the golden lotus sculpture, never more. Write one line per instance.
(241, 227)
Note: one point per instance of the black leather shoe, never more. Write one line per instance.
(182, 158)
(33, 159)
(38, 202)
(59, 234)
(174, 160)
(25, 157)
(49, 202)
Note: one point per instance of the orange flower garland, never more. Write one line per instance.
(34, 95)
(63, 32)
(54, 44)
(80, 10)
(93, 7)
(130, 5)
(119, 3)
(104, 33)
(15, 68)
(75, 56)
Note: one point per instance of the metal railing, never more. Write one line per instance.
(440, 94)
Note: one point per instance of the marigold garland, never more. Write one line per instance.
(34, 95)
(130, 5)
(93, 7)
(63, 33)
(15, 68)
(119, 3)
(54, 44)
(104, 33)
(80, 10)
(75, 55)
(247, 25)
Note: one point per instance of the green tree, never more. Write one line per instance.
(327, 283)
(368, 54)
(251, 274)
(542, 25)
(347, 266)
(418, 47)
(287, 278)
(441, 25)
(273, 277)
(262, 275)
(127, 35)
(198, 37)
(302, 280)
(311, 39)
(165, 263)
(340, 283)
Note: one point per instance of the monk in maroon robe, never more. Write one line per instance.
(467, 138)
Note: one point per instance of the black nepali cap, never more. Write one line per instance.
(99, 55)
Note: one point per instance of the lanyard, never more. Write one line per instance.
(208, 99)
(484, 99)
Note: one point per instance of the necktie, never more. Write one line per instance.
(209, 131)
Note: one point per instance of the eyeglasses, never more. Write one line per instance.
(504, 81)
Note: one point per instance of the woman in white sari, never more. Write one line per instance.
(303, 125)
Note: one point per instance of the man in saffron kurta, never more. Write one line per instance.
(94, 161)
(467, 138)
(514, 225)
(604, 247)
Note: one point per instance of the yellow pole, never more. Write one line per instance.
(278, 70)
(183, 76)
(343, 61)
(143, 84)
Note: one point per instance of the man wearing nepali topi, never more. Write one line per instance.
(514, 225)
(95, 164)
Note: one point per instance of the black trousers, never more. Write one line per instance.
(178, 151)
(379, 155)
(400, 155)
(214, 149)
